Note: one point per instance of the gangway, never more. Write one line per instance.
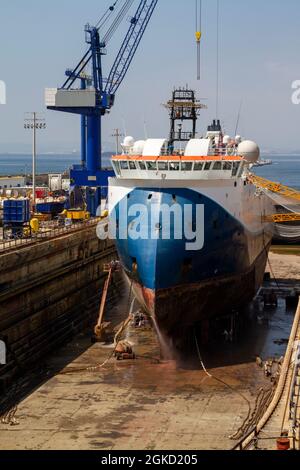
(277, 188)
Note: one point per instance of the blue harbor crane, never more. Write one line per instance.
(96, 95)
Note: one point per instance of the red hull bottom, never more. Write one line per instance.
(177, 309)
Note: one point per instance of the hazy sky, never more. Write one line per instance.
(260, 58)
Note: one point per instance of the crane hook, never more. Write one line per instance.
(198, 35)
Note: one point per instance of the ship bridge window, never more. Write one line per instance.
(207, 166)
(116, 166)
(235, 168)
(124, 165)
(174, 166)
(152, 166)
(227, 166)
(198, 166)
(163, 166)
(186, 166)
(217, 166)
(142, 166)
(132, 165)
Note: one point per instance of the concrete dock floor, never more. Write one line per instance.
(132, 405)
(147, 404)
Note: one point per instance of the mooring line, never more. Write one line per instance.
(223, 383)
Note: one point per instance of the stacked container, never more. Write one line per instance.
(16, 211)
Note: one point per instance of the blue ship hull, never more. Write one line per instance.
(179, 287)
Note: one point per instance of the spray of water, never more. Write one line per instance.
(166, 346)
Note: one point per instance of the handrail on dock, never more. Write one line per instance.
(52, 232)
(252, 436)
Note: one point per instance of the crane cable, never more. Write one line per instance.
(103, 20)
(198, 35)
(114, 26)
(218, 59)
(87, 56)
(105, 17)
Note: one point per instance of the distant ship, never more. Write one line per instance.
(182, 287)
(260, 163)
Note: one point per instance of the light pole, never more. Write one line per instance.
(34, 123)
(117, 134)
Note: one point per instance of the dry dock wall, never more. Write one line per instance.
(49, 292)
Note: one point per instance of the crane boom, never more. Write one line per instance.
(130, 44)
(96, 96)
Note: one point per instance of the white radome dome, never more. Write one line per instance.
(128, 142)
(226, 139)
(238, 139)
(249, 150)
(138, 147)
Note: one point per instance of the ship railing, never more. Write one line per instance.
(48, 231)
(223, 151)
(212, 152)
(166, 152)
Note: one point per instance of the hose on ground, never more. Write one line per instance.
(222, 381)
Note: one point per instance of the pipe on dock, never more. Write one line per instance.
(281, 383)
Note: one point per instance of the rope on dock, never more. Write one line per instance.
(211, 376)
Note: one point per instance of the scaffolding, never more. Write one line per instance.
(183, 107)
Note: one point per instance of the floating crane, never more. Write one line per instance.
(96, 95)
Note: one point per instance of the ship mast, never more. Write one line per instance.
(183, 107)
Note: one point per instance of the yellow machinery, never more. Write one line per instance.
(104, 214)
(35, 225)
(77, 215)
(42, 217)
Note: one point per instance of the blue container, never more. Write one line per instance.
(53, 208)
(16, 211)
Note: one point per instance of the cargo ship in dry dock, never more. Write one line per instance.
(178, 282)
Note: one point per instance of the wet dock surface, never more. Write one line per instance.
(143, 405)
(147, 403)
